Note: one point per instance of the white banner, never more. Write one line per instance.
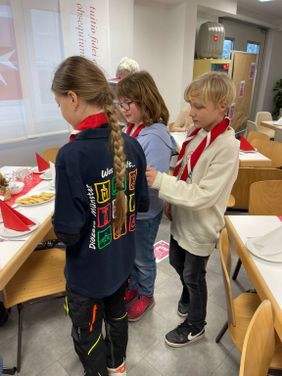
(85, 28)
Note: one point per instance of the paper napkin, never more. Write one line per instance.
(245, 145)
(270, 243)
(13, 219)
(41, 163)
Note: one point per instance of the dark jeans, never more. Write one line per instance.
(192, 272)
(143, 274)
(96, 353)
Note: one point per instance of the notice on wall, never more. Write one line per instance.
(85, 27)
(242, 89)
(252, 71)
(231, 111)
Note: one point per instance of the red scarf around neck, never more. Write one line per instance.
(193, 159)
(92, 121)
(136, 131)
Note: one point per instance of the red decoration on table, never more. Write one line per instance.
(280, 217)
(41, 163)
(13, 219)
(245, 145)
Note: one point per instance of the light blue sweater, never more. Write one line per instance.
(158, 145)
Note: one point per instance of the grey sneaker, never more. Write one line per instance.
(182, 308)
(183, 335)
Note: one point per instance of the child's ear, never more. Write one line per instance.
(73, 98)
(222, 107)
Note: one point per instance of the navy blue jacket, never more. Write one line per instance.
(101, 260)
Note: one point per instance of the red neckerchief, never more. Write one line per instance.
(211, 136)
(136, 132)
(92, 121)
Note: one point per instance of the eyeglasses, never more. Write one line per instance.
(125, 105)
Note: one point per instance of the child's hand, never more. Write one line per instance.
(151, 174)
(167, 210)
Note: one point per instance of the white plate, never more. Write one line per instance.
(7, 233)
(46, 176)
(38, 203)
(256, 252)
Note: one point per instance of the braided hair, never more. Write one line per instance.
(84, 78)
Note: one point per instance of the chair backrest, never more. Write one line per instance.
(262, 116)
(271, 149)
(259, 343)
(266, 197)
(170, 126)
(254, 135)
(41, 275)
(50, 154)
(251, 126)
(225, 259)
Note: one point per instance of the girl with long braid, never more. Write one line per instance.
(100, 185)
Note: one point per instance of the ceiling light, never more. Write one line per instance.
(264, 1)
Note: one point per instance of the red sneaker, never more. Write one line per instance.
(139, 307)
(121, 370)
(130, 295)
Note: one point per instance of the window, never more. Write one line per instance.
(253, 47)
(227, 48)
(30, 49)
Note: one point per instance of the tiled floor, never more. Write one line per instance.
(48, 349)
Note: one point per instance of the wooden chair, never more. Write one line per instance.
(41, 276)
(170, 127)
(259, 343)
(50, 154)
(241, 309)
(271, 149)
(253, 135)
(265, 199)
(247, 176)
(264, 116)
(231, 201)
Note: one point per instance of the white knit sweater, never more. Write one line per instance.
(198, 205)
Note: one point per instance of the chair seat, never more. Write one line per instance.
(34, 280)
(245, 306)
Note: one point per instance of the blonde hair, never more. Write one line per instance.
(212, 86)
(84, 78)
(127, 66)
(142, 89)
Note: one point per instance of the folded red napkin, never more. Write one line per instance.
(41, 163)
(245, 145)
(13, 219)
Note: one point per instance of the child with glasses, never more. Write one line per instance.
(100, 185)
(146, 113)
(197, 197)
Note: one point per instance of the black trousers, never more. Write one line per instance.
(192, 273)
(95, 352)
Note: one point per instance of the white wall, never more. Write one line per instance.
(164, 43)
(272, 70)
(121, 31)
